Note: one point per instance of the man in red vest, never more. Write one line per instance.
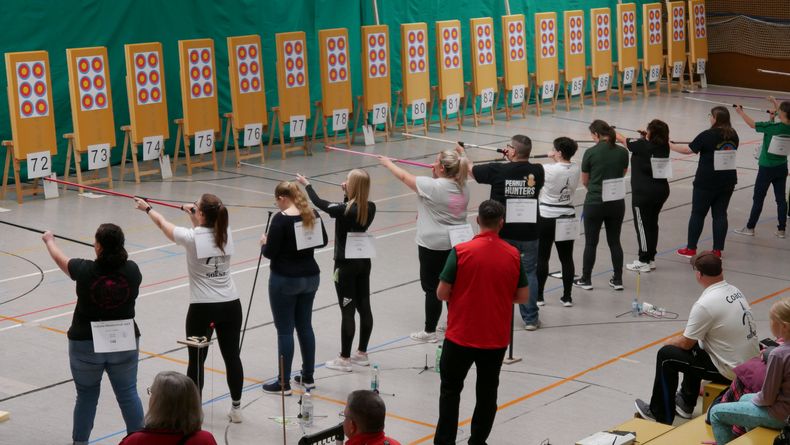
(481, 281)
(363, 419)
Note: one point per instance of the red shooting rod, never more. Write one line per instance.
(360, 153)
(110, 192)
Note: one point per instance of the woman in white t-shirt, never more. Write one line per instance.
(213, 299)
(441, 203)
(556, 204)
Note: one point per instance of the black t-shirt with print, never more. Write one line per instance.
(642, 151)
(706, 144)
(102, 295)
(512, 180)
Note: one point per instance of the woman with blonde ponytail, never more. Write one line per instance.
(213, 300)
(441, 204)
(293, 280)
(352, 275)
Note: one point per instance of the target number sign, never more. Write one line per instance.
(39, 164)
(628, 75)
(152, 147)
(677, 69)
(379, 113)
(98, 156)
(603, 83)
(204, 141)
(487, 98)
(298, 125)
(701, 66)
(547, 90)
(655, 73)
(340, 119)
(32, 84)
(92, 83)
(453, 103)
(419, 109)
(517, 96)
(253, 134)
(576, 85)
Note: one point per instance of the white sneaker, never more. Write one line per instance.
(638, 266)
(235, 414)
(780, 234)
(652, 265)
(360, 358)
(442, 327)
(745, 231)
(426, 337)
(339, 364)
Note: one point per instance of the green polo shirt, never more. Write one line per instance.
(602, 161)
(769, 130)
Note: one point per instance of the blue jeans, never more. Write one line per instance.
(529, 261)
(767, 176)
(87, 368)
(742, 413)
(291, 299)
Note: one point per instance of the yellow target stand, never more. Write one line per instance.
(546, 60)
(450, 72)
(32, 121)
(627, 64)
(698, 41)
(337, 103)
(416, 94)
(376, 88)
(601, 70)
(575, 73)
(293, 89)
(515, 81)
(91, 113)
(146, 93)
(248, 99)
(199, 101)
(676, 43)
(484, 78)
(653, 47)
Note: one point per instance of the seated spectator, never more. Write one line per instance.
(174, 414)
(363, 419)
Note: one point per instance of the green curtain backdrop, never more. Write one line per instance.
(54, 26)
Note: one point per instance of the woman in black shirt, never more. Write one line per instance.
(352, 275)
(649, 188)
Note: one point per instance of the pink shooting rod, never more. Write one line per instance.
(360, 153)
(110, 192)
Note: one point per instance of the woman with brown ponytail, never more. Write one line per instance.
(293, 235)
(214, 301)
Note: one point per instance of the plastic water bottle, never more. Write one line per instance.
(374, 379)
(307, 409)
(436, 366)
(635, 308)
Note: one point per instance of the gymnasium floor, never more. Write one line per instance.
(579, 373)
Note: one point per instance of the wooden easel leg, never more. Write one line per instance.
(282, 137)
(69, 149)
(17, 182)
(77, 164)
(5, 171)
(135, 164)
(123, 154)
(567, 96)
(109, 175)
(178, 148)
(213, 156)
(581, 95)
(405, 116)
(228, 123)
(187, 154)
(441, 117)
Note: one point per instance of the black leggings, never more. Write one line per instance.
(352, 283)
(610, 214)
(646, 208)
(431, 265)
(547, 227)
(717, 202)
(226, 318)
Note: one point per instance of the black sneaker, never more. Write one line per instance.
(682, 408)
(307, 383)
(541, 302)
(643, 409)
(616, 285)
(275, 388)
(582, 283)
(567, 302)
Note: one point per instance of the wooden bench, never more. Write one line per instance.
(694, 432)
(709, 393)
(757, 436)
(646, 430)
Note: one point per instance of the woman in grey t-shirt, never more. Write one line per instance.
(441, 203)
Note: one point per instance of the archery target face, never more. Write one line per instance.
(337, 59)
(678, 28)
(294, 52)
(576, 27)
(32, 89)
(699, 21)
(148, 78)
(248, 66)
(451, 47)
(416, 51)
(92, 83)
(654, 26)
(201, 68)
(602, 34)
(485, 44)
(548, 38)
(377, 55)
(628, 19)
(516, 41)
